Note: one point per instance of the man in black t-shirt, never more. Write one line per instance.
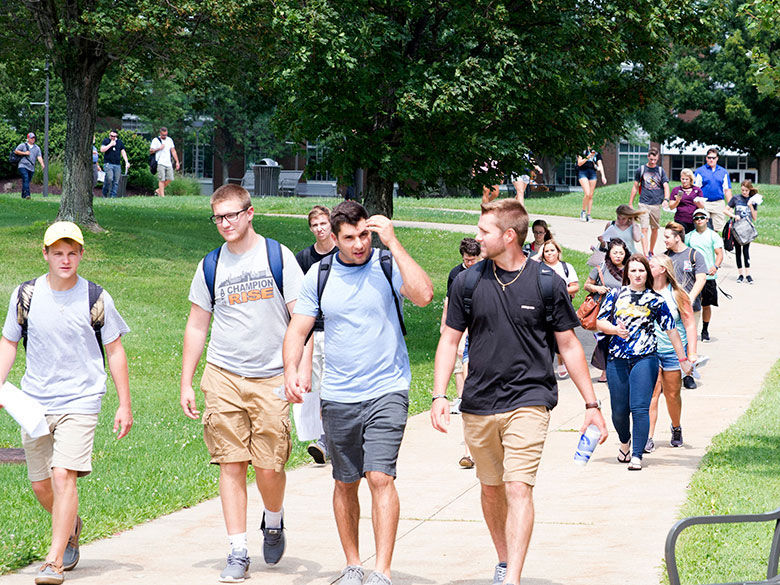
(113, 150)
(511, 386)
(314, 352)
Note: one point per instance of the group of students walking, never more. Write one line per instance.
(331, 321)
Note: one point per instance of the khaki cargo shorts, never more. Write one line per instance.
(69, 446)
(164, 173)
(245, 420)
(651, 219)
(507, 446)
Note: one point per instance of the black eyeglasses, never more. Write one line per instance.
(231, 217)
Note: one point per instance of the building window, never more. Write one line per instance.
(739, 167)
(566, 172)
(630, 158)
(314, 154)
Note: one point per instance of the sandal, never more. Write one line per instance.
(624, 456)
(466, 462)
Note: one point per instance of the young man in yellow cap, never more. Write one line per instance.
(69, 326)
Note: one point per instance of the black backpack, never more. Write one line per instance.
(385, 261)
(545, 282)
(14, 158)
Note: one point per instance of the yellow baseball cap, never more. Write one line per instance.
(60, 230)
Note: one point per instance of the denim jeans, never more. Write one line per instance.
(26, 176)
(631, 382)
(113, 173)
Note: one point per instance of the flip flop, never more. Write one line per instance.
(624, 456)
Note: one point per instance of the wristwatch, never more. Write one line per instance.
(596, 404)
(435, 397)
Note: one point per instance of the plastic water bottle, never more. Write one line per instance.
(588, 441)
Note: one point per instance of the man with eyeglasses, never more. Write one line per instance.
(113, 148)
(715, 183)
(245, 419)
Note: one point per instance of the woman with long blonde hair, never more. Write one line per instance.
(670, 376)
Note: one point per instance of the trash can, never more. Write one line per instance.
(266, 178)
(122, 187)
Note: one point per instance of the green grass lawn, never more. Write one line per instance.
(146, 259)
(453, 210)
(740, 474)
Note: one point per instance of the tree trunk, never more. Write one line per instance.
(81, 82)
(764, 169)
(378, 198)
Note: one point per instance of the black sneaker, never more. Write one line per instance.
(677, 440)
(740, 279)
(689, 382)
(705, 335)
(749, 279)
(274, 543)
(318, 452)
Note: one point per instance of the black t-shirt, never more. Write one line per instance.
(112, 155)
(307, 258)
(454, 273)
(509, 360)
(590, 163)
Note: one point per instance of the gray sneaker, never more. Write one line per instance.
(237, 568)
(274, 543)
(677, 440)
(377, 578)
(71, 556)
(351, 575)
(49, 574)
(499, 575)
(650, 445)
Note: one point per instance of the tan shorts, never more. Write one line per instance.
(651, 219)
(245, 420)
(507, 446)
(164, 173)
(716, 214)
(69, 446)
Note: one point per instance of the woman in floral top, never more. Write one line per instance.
(629, 315)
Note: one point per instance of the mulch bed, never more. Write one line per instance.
(9, 455)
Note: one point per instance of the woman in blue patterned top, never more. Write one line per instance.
(629, 315)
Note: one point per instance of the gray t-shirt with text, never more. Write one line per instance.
(249, 316)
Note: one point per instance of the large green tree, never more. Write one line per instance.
(418, 92)
(140, 38)
(715, 92)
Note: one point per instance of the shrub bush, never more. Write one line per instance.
(9, 139)
(56, 167)
(183, 186)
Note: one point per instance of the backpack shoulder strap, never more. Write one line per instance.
(97, 314)
(210, 270)
(546, 275)
(565, 268)
(275, 261)
(470, 282)
(322, 278)
(23, 300)
(386, 262)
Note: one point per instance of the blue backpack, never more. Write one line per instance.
(272, 248)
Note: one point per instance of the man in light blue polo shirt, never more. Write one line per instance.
(715, 183)
(364, 392)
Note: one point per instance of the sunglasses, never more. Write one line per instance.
(699, 217)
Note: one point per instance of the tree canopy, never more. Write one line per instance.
(417, 92)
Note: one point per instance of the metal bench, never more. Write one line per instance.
(288, 182)
(772, 577)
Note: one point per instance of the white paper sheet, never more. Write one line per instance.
(308, 424)
(30, 415)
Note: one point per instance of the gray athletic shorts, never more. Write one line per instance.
(364, 436)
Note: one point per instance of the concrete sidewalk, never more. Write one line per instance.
(598, 524)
